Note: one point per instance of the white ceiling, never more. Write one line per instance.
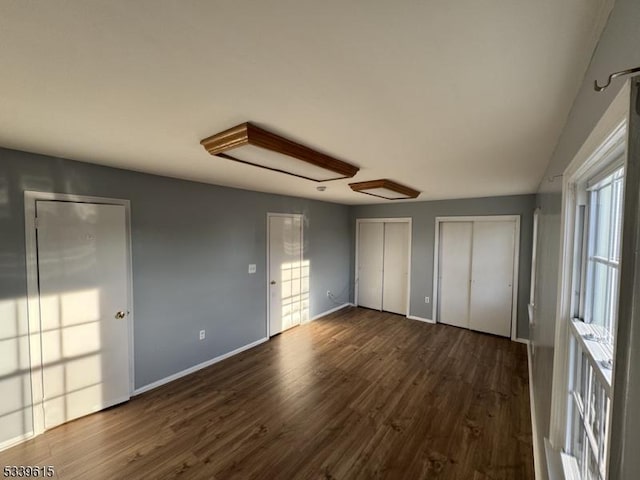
(457, 99)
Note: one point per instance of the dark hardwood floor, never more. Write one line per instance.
(358, 394)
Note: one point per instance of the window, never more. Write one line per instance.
(603, 265)
(593, 326)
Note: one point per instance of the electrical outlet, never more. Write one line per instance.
(252, 268)
(202, 334)
(328, 293)
(427, 299)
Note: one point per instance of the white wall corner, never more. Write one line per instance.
(328, 312)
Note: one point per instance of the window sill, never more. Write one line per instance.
(598, 352)
(560, 466)
(570, 467)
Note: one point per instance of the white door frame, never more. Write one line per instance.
(268, 269)
(516, 261)
(33, 292)
(407, 220)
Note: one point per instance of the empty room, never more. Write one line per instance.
(338, 240)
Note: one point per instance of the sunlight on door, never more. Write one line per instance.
(294, 280)
(71, 355)
(288, 273)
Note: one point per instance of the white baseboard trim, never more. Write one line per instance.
(195, 368)
(537, 466)
(521, 340)
(420, 319)
(328, 312)
(14, 441)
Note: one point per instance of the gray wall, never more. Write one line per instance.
(192, 244)
(617, 50)
(424, 216)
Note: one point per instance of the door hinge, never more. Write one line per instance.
(37, 223)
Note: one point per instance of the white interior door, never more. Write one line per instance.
(455, 273)
(370, 264)
(395, 270)
(492, 277)
(288, 274)
(82, 270)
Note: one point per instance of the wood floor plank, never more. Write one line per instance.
(356, 395)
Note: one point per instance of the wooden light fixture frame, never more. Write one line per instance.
(384, 183)
(249, 134)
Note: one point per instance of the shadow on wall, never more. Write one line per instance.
(73, 370)
(16, 417)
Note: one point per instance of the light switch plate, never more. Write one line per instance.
(252, 268)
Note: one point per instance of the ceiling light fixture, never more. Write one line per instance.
(384, 188)
(252, 145)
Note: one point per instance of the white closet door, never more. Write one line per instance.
(396, 274)
(370, 264)
(492, 277)
(82, 273)
(455, 273)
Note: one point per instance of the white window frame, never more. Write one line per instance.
(591, 258)
(606, 142)
(589, 421)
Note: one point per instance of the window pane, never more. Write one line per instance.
(597, 412)
(617, 221)
(592, 467)
(613, 304)
(578, 437)
(584, 378)
(599, 294)
(603, 222)
(605, 436)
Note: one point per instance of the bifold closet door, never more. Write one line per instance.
(395, 269)
(454, 280)
(370, 264)
(491, 299)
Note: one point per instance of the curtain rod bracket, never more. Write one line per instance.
(600, 88)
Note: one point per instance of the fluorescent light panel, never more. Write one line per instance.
(259, 157)
(384, 188)
(249, 144)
